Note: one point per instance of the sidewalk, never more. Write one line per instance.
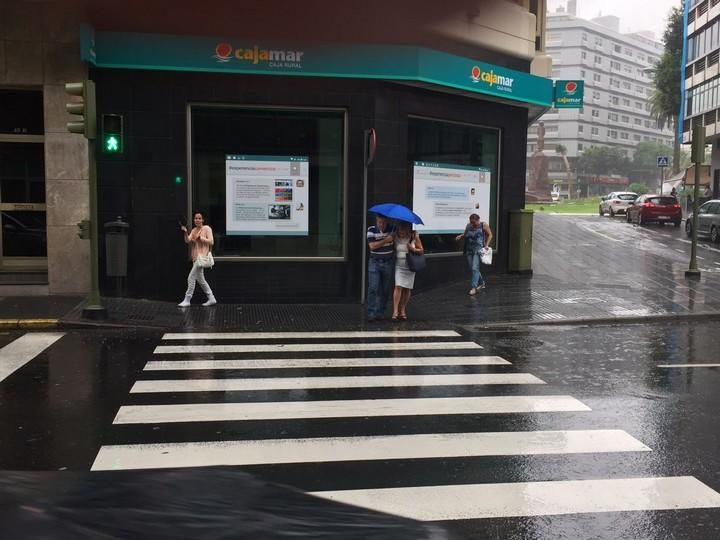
(620, 274)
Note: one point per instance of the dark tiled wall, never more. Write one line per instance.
(139, 184)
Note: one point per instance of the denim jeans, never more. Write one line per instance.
(380, 280)
(473, 261)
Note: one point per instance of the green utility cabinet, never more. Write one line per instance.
(520, 249)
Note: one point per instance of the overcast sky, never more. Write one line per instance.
(635, 15)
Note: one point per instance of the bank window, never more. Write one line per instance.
(293, 207)
(449, 145)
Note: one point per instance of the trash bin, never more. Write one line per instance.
(520, 249)
(116, 248)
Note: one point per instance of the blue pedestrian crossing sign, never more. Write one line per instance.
(662, 161)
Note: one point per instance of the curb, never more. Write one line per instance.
(28, 323)
(632, 319)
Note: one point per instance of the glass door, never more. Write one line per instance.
(23, 237)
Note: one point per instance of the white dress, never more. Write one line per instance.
(403, 276)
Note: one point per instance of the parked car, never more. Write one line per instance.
(617, 202)
(708, 220)
(655, 208)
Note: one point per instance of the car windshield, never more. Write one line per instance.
(663, 201)
(627, 197)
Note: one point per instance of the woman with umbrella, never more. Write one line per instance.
(406, 241)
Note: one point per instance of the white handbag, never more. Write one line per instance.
(486, 255)
(206, 261)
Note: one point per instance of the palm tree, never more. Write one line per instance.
(562, 151)
(665, 100)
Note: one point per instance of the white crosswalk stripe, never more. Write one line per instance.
(365, 382)
(16, 354)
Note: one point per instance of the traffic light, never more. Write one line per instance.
(84, 229)
(112, 134)
(85, 108)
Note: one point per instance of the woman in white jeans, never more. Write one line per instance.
(201, 240)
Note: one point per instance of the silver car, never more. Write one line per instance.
(616, 202)
(708, 220)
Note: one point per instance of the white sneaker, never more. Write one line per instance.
(210, 302)
(184, 303)
(473, 291)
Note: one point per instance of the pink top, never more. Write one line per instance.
(201, 240)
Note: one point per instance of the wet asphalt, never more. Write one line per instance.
(57, 411)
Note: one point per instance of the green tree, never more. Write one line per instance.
(602, 160)
(646, 153)
(640, 189)
(665, 99)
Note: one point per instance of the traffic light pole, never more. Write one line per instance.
(697, 157)
(94, 309)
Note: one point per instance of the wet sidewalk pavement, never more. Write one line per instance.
(587, 269)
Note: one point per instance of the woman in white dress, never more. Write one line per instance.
(405, 241)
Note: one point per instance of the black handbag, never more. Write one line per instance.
(416, 262)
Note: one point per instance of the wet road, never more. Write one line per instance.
(580, 426)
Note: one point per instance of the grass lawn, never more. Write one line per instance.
(576, 206)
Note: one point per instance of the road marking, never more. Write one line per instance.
(279, 363)
(213, 412)
(588, 229)
(434, 503)
(313, 347)
(16, 354)
(321, 450)
(302, 383)
(313, 335)
(688, 365)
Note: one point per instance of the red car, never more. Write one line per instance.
(657, 208)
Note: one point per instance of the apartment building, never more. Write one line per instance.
(618, 85)
(701, 102)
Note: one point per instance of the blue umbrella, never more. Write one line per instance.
(397, 211)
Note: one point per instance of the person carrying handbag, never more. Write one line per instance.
(406, 241)
(201, 240)
(477, 237)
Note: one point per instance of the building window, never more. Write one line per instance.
(456, 145)
(598, 42)
(595, 113)
(22, 174)
(623, 135)
(636, 137)
(308, 147)
(583, 55)
(581, 128)
(638, 122)
(584, 36)
(580, 147)
(626, 102)
(615, 100)
(617, 48)
(626, 85)
(639, 89)
(638, 105)
(594, 131)
(614, 83)
(613, 117)
(582, 73)
(615, 65)
(597, 77)
(625, 119)
(598, 59)
(596, 95)
(627, 69)
(612, 134)
(628, 52)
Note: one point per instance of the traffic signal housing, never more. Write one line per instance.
(84, 108)
(112, 134)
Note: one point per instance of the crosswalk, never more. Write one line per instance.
(350, 397)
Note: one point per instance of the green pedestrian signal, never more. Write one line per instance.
(112, 144)
(178, 179)
(112, 134)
